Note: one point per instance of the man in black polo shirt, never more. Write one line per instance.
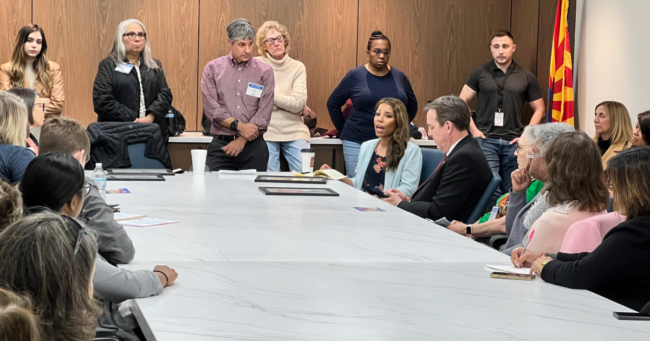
(502, 87)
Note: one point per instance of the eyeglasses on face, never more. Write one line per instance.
(132, 35)
(522, 146)
(40, 105)
(86, 188)
(378, 52)
(82, 232)
(270, 41)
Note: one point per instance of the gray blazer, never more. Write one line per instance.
(515, 214)
(113, 242)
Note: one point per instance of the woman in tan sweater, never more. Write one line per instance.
(286, 130)
(575, 191)
(613, 129)
(30, 68)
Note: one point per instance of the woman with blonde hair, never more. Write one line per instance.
(17, 321)
(30, 68)
(286, 131)
(390, 161)
(14, 156)
(613, 129)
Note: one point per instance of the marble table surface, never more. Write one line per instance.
(372, 301)
(231, 220)
(256, 267)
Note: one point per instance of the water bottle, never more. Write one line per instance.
(171, 123)
(100, 179)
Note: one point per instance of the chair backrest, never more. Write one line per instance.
(480, 208)
(431, 158)
(139, 161)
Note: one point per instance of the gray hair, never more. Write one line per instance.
(240, 29)
(452, 109)
(118, 52)
(543, 134)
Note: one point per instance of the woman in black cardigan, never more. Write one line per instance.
(130, 85)
(619, 268)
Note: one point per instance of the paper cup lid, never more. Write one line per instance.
(308, 150)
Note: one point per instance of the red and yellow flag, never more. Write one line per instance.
(560, 83)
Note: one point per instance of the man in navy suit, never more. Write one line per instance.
(455, 187)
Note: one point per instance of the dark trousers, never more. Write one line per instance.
(255, 155)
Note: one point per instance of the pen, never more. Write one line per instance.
(525, 246)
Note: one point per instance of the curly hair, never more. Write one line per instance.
(575, 176)
(17, 321)
(11, 204)
(261, 33)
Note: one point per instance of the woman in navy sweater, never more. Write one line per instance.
(619, 268)
(365, 86)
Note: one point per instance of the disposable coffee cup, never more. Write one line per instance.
(198, 160)
(308, 155)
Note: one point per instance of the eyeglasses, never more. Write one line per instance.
(379, 52)
(132, 35)
(82, 232)
(520, 146)
(279, 39)
(40, 105)
(86, 188)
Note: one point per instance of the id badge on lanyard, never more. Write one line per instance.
(499, 115)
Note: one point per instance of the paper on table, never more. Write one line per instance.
(146, 222)
(239, 172)
(330, 173)
(507, 268)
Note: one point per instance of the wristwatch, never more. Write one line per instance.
(469, 230)
(234, 124)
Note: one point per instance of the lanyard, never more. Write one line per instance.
(502, 86)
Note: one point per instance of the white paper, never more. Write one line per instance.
(239, 172)
(254, 90)
(146, 222)
(124, 68)
(443, 222)
(507, 268)
(498, 119)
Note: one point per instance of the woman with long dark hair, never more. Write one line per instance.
(30, 68)
(389, 161)
(641, 133)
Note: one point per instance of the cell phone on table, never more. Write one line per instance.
(632, 316)
(378, 192)
(507, 275)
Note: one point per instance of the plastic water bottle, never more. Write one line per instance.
(100, 179)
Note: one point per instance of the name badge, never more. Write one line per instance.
(498, 119)
(124, 68)
(254, 90)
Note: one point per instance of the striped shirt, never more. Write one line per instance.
(224, 86)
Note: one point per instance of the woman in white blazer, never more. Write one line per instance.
(390, 161)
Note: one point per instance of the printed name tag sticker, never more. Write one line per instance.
(124, 68)
(254, 90)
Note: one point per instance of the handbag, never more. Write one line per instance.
(175, 122)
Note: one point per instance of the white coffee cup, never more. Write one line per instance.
(198, 160)
(308, 155)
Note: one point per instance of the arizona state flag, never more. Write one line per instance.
(560, 83)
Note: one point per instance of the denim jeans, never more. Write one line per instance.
(501, 157)
(351, 156)
(290, 150)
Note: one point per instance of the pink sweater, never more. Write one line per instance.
(553, 225)
(586, 235)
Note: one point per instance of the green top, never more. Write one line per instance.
(531, 193)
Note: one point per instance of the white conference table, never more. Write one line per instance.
(256, 267)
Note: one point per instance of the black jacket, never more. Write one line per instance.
(454, 189)
(618, 269)
(116, 96)
(109, 143)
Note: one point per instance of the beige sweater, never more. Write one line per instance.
(553, 225)
(290, 98)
